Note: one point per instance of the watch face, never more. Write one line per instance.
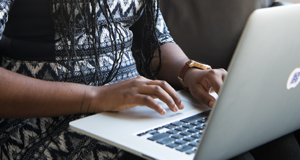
(199, 65)
(190, 63)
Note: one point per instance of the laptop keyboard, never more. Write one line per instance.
(183, 135)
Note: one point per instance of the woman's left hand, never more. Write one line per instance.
(201, 82)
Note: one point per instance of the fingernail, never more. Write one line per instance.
(211, 104)
(181, 106)
(175, 108)
(163, 112)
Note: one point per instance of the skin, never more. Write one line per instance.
(26, 97)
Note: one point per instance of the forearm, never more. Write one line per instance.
(172, 61)
(23, 97)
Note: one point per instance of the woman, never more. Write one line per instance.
(66, 59)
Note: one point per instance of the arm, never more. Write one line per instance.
(173, 59)
(24, 97)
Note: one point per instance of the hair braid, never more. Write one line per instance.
(149, 40)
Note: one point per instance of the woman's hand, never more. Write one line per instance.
(132, 92)
(200, 83)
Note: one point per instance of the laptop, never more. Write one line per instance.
(258, 102)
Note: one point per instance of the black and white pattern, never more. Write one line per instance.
(50, 138)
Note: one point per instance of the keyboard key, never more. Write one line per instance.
(195, 123)
(180, 129)
(172, 131)
(153, 132)
(187, 126)
(185, 133)
(169, 126)
(163, 130)
(184, 148)
(197, 136)
(177, 136)
(194, 144)
(158, 128)
(189, 139)
(141, 134)
(203, 120)
(180, 142)
(201, 124)
(190, 152)
(199, 127)
(193, 130)
(172, 145)
(158, 136)
(165, 140)
(195, 117)
(178, 123)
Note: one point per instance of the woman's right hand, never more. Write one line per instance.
(133, 92)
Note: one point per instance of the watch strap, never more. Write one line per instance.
(182, 74)
(190, 64)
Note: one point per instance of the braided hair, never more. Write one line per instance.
(68, 12)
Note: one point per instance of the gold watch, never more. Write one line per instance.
(191, 64)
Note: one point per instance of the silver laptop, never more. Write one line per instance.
(259, 101)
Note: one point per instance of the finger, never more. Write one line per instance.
(206, 84)
(202, 95)
(145, 100)
(157, 91)
(215, 80)
(224, 73)
(170, 91)
(216, 84)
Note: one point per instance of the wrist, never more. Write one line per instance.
(189, 76)
(89, 102)
(97, 100)
(188, 67)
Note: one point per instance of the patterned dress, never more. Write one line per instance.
(50, 137)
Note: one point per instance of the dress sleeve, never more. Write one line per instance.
(4, 9)
(162, 31)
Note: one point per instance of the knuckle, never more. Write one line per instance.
(223, 70)
(135, 82)
(163, 83)
(156, 88)
(177, 99)
(157, 106)
(212, 72)
(141, 78)
(147, 99)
